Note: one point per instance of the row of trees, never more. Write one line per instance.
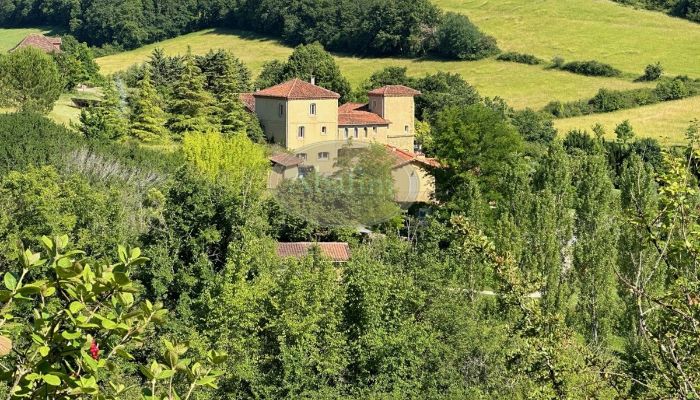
(395, 27)
(689, 9)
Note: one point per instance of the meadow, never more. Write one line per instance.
(625, 37)
(521, 85)
(666, 122)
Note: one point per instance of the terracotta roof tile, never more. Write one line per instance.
(248, 101)
(336, 251)
(358, 114)
(404, 157)
(394, 91)
(286, 160)
(39, 41)
(296, 89)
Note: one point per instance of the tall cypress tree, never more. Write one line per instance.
(596, 231)
(191, 106)
(148, 119)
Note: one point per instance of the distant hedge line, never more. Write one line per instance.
(612, 100)
(688, 9)
(521, 58)
(383, 27)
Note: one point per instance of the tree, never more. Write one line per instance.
(191, 107)
(596, 230)
(29, 80)
(534, 126)
(474, 139)
(225, 75)
(652, 72)
(458, 38)
(442, 90)
(306, 62)
(106, 119)
(148, 118)
(624, 132)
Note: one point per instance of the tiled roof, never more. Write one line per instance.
(404, 157)
(286, 160)
(296, 89)
(336, 251)
(248, 101)
(394, 91)
(358, 114)
(39, 41)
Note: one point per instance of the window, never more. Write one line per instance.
(281, 109)
(366, 129)
(374, 130)
(374, 105)
(357, 132)
(323, 155)
(323, 130)
(312, 109)
(405, 128)
(302, 156)
(346, 133)
(302, 131)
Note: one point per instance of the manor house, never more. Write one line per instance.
(296, 114)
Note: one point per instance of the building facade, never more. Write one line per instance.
(295, 114)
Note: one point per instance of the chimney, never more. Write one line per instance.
(313, 80)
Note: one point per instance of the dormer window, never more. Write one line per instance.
(312, 109)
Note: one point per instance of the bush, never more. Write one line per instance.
(591, 68)
(558, 62)
(652, 72)
(458, 37)
(672, 90)
(569, 109)
(521, 58)
(612, 100)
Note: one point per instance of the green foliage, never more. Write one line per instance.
(474, 139)
(105, 120)
(652, 72)
(29, 80)
(81, 319)
(76, 63)
(306, 62)
(590, 68)
(521, 58)
(191, 106)
(148, 118)
(534, 126)
(458, 38)
(624, 132)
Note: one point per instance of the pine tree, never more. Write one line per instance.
(192, 106)
(148, 119)
(106, 119)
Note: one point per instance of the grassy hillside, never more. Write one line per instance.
(587, 29)
(665, 121)
(9, 38)
(522, 85)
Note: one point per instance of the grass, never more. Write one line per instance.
(9, 38)
(627, 38)
(521, 85)
(666, 121)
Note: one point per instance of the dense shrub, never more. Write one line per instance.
(652, 72)
(459, 38)
(612, 100)
(520, 58)
(591, 68)
(688, 9)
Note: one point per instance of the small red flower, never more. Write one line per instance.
(95, 350)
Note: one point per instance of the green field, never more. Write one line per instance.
(602, 30)
(665, 121)
(521, 85)
(9, 38)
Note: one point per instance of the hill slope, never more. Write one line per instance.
(587, 29)
(521, 85)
